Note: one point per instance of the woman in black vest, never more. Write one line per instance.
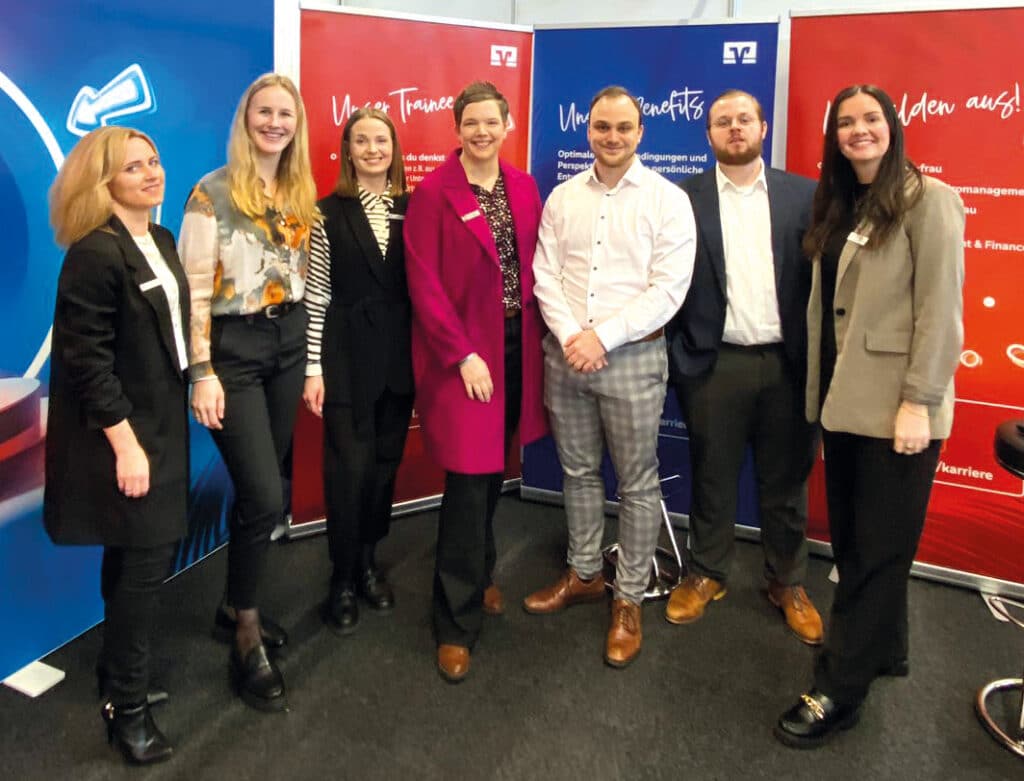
(359, 371)
(117, 439)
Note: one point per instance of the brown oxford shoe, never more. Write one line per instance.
(494, 601)
(691, 597)
(801, 616)
(624, 634)
(568, 590)
(453, 662)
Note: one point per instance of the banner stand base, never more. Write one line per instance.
(34, 679)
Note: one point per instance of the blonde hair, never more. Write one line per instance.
(296, 190)
(80, 200)
(348, 184)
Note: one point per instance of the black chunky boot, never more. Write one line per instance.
(131, 729)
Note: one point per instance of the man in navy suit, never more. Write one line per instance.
(737, 358)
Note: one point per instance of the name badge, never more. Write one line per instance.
(396, 216)
(857, 239)
(149, 285)
(471, 215)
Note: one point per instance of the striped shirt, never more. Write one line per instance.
(318, 277)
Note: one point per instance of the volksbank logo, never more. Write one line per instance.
(504, 56)
(739, 53)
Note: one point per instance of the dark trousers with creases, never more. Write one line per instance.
(752, 396)
(877, 500)
(261, 365)
(130, 580)
(361, 458)
(466, 553)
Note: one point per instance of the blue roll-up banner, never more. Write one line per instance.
(676, 72)
(176, 72)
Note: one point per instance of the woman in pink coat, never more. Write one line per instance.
(470, 233)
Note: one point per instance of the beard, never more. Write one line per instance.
(748, 155)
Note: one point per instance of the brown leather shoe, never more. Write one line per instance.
(801, 616)
(494, 601)
(568, 590)
(690, 597)
(624, 634)
(452, 662)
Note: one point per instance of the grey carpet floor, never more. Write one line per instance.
(539, 703)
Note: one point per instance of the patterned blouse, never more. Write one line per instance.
(494, 205)
(236, 265)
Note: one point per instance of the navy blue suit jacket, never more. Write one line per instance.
(695, 333)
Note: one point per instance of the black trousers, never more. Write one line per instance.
(877, 500)
(130, 580)
(261, 365)
(361, 460)
(466, 555)
(750, 397)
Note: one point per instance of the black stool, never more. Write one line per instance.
(1009, 450)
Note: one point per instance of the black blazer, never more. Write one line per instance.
(366, 339)
(695, 333)
(113, 357)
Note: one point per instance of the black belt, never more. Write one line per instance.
(274, 311)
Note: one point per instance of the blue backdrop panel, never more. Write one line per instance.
(676, 72)
(176, 72)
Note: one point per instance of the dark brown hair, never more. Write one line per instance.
(347, 184)
(735, 93)
(478, 92)
(895, 189)
(615, 91)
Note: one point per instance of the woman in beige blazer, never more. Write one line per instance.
(884, 337)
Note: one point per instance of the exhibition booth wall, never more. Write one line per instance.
(71, 66)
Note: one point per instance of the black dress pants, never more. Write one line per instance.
(261, 365)
(877, 500)
(130, 580)
(750, 397)
(361, 459)
(466, 555)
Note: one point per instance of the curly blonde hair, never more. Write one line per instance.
(80, 200)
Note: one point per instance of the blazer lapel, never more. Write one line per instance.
(150, 288)
(467, 209)
(709, 218)
(850, 250)
(360, 225)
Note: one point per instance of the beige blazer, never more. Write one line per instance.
(898, 313)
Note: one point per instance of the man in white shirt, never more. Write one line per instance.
(737, 357)
(613, 263)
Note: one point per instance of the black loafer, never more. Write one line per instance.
(257, 680)
(814, 720)
(271, 632)
(341, 611)
(376, 591)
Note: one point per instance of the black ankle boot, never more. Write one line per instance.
(131, 729)
(372, 585)
(340, 611)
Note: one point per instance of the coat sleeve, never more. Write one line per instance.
(435, 312)
(935, 227)
(85, 317)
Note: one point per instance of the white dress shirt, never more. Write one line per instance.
(752, 306)
(618, 260)
(165, 276)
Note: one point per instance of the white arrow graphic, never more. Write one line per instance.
(127, 93)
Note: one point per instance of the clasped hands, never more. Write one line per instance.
(584, 352)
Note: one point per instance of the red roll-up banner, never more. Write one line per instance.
(956, 79)
(411, 68)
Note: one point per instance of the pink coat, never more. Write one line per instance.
(455, 284)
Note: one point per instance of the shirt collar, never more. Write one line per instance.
(724, 182)
(634, 174)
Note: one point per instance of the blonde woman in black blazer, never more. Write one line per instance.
(885, 331)
(359, 371)
(117, 440)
